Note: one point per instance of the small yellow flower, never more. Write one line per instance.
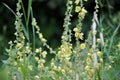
(99, 40)
(27, 49)
(59, 68)
(76, 34)
(101, 60)
(91, 72)
(36, 58)
(77, 2)
(18, 6)
(89, 54)
(109, 67)
(15, 63)
(42, 61)
(30, 67)
(95, 32)
(75, 30)
(63, 71)
(10, 42)
(70, 71)
(19, 54)
(19, 45)
(87, 68)
(19, 69)
(40, 36)
(97, 65)
(55, 67)
(118, 45)
(37, 50)
(77, 9)
(52, 64)
(37, 77)
(83, 10)
(40, 66)
(99, 53)
(44, 53)
(81, 36)
(34, 23)
(70, 2)
(88, 60)
(82, 13)
(82, 46)
(21, 59)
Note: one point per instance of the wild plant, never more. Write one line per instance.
(73, 61)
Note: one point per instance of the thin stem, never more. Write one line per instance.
(33, 29)
(24, 13)
(28, 14)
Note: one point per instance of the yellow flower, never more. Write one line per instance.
(30, 67)
(59, 68)
(18, 6)
(77, 9)
(40, 66)
(40, 36)
(52, 64)
(27, 49)
(81, 36)
(88, 60)
(21, 59)
(87, 68)
(91, 72)
(19, 54)
(83, 10)
(42, 61)
(99, 40)
(77, 2)
(82, 13)
(34, 23)
(19, 69)
(37, 58)
(44, 53)
(10, 42)
(15, 63)
(101, 60)
(89, 54)
(37, 50)
(97, 65)
(19, 45)
(109, 67)
(70, 2)
(99, 53)
(37, 77)
(75, 30)
(63, 71)
(82, 46)
(76, 34)
(118, 45)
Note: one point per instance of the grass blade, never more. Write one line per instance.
(33, 28)
(114, 33)
(9, 8)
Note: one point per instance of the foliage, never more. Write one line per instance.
(76, 58)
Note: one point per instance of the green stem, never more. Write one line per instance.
(24, 13)
(28, 14)
(33, 28)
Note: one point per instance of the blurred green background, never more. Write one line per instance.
(50, 17)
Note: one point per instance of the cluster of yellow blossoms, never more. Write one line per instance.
(78, 34)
